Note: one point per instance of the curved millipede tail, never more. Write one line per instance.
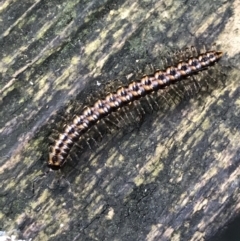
(122, 97)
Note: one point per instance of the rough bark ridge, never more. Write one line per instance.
(175, 177)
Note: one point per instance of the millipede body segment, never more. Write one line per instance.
(122, 97)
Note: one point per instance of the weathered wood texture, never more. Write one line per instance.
(175, 177)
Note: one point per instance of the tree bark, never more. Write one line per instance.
(172, 176)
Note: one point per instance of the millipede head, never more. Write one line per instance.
(55, 162)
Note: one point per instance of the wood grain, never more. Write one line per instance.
(175, 177)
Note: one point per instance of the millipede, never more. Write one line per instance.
(124, 96)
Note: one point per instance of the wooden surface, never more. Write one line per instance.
(174, 177)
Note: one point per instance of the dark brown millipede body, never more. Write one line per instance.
(122, 97)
